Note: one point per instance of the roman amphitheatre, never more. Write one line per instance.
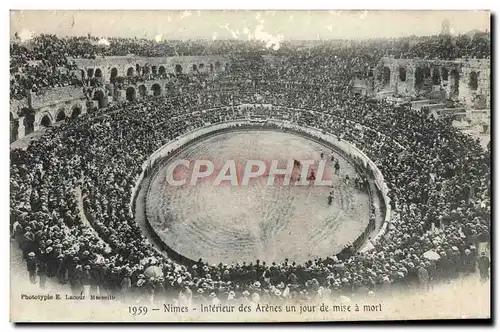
(402, 128)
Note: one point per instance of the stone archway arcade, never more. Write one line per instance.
(107, 70)
(61, 115)
(386, 76)
(101, 98)
(130, 93)
(29, 120)
(461, 80)
(14, 128)
(76, 112)
(113, 75)
(143, 91)
(46, 120)
(473, 80)
(156, 89)
(402, 74)
(178, 69)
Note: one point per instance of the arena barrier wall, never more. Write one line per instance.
(360, 157)
(351, 151)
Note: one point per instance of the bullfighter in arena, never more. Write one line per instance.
(337, 167)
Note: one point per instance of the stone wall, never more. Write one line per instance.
(58, 112)
(476, 98)
(56, 96)
(436, 79)
(16, 107)
(140, 90)
(124, 65)
(55, 104)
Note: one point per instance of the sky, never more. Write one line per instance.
(264, 25)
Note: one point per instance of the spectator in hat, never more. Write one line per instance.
(199, 297)
(32, 267)
(185, 296)
(76, 281)
(86, 280)
(484, 267)
(61, 269)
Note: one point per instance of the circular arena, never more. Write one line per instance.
(226, 223)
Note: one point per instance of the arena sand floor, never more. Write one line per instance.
(231, 224)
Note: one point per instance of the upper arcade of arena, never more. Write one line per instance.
(61, 77)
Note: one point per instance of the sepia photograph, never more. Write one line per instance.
(250, 165)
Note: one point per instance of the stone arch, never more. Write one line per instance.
(138, 68)
(454, 82)
(14, 128)
(211, 67)
(444, 74)
(61, 115)
(46, 119)
(419, 76)
(154, 70)
(436, 77)
(130, 93)
(217, 65)
(201, 66)
(100, 96)
(480, 101)
(29, 121)
(130, 71)
(195, 67)
(114, 74)
(402, 74)
(156, 88)
(473, 80)
(426, 72)
(147, 69)
(143, 91)
(98, 72)
(386, 75)
(90, 72)
(76, 111)
(178, 69)
(162, 70)
(169, 88)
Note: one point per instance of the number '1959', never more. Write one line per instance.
(137, 310)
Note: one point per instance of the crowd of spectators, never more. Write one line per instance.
(439, 181)
(71, 190)
(43, 61)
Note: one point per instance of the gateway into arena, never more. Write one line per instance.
(232, 224)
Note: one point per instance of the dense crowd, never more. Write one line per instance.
(71, 190)
(438, 178)
(45, 60)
